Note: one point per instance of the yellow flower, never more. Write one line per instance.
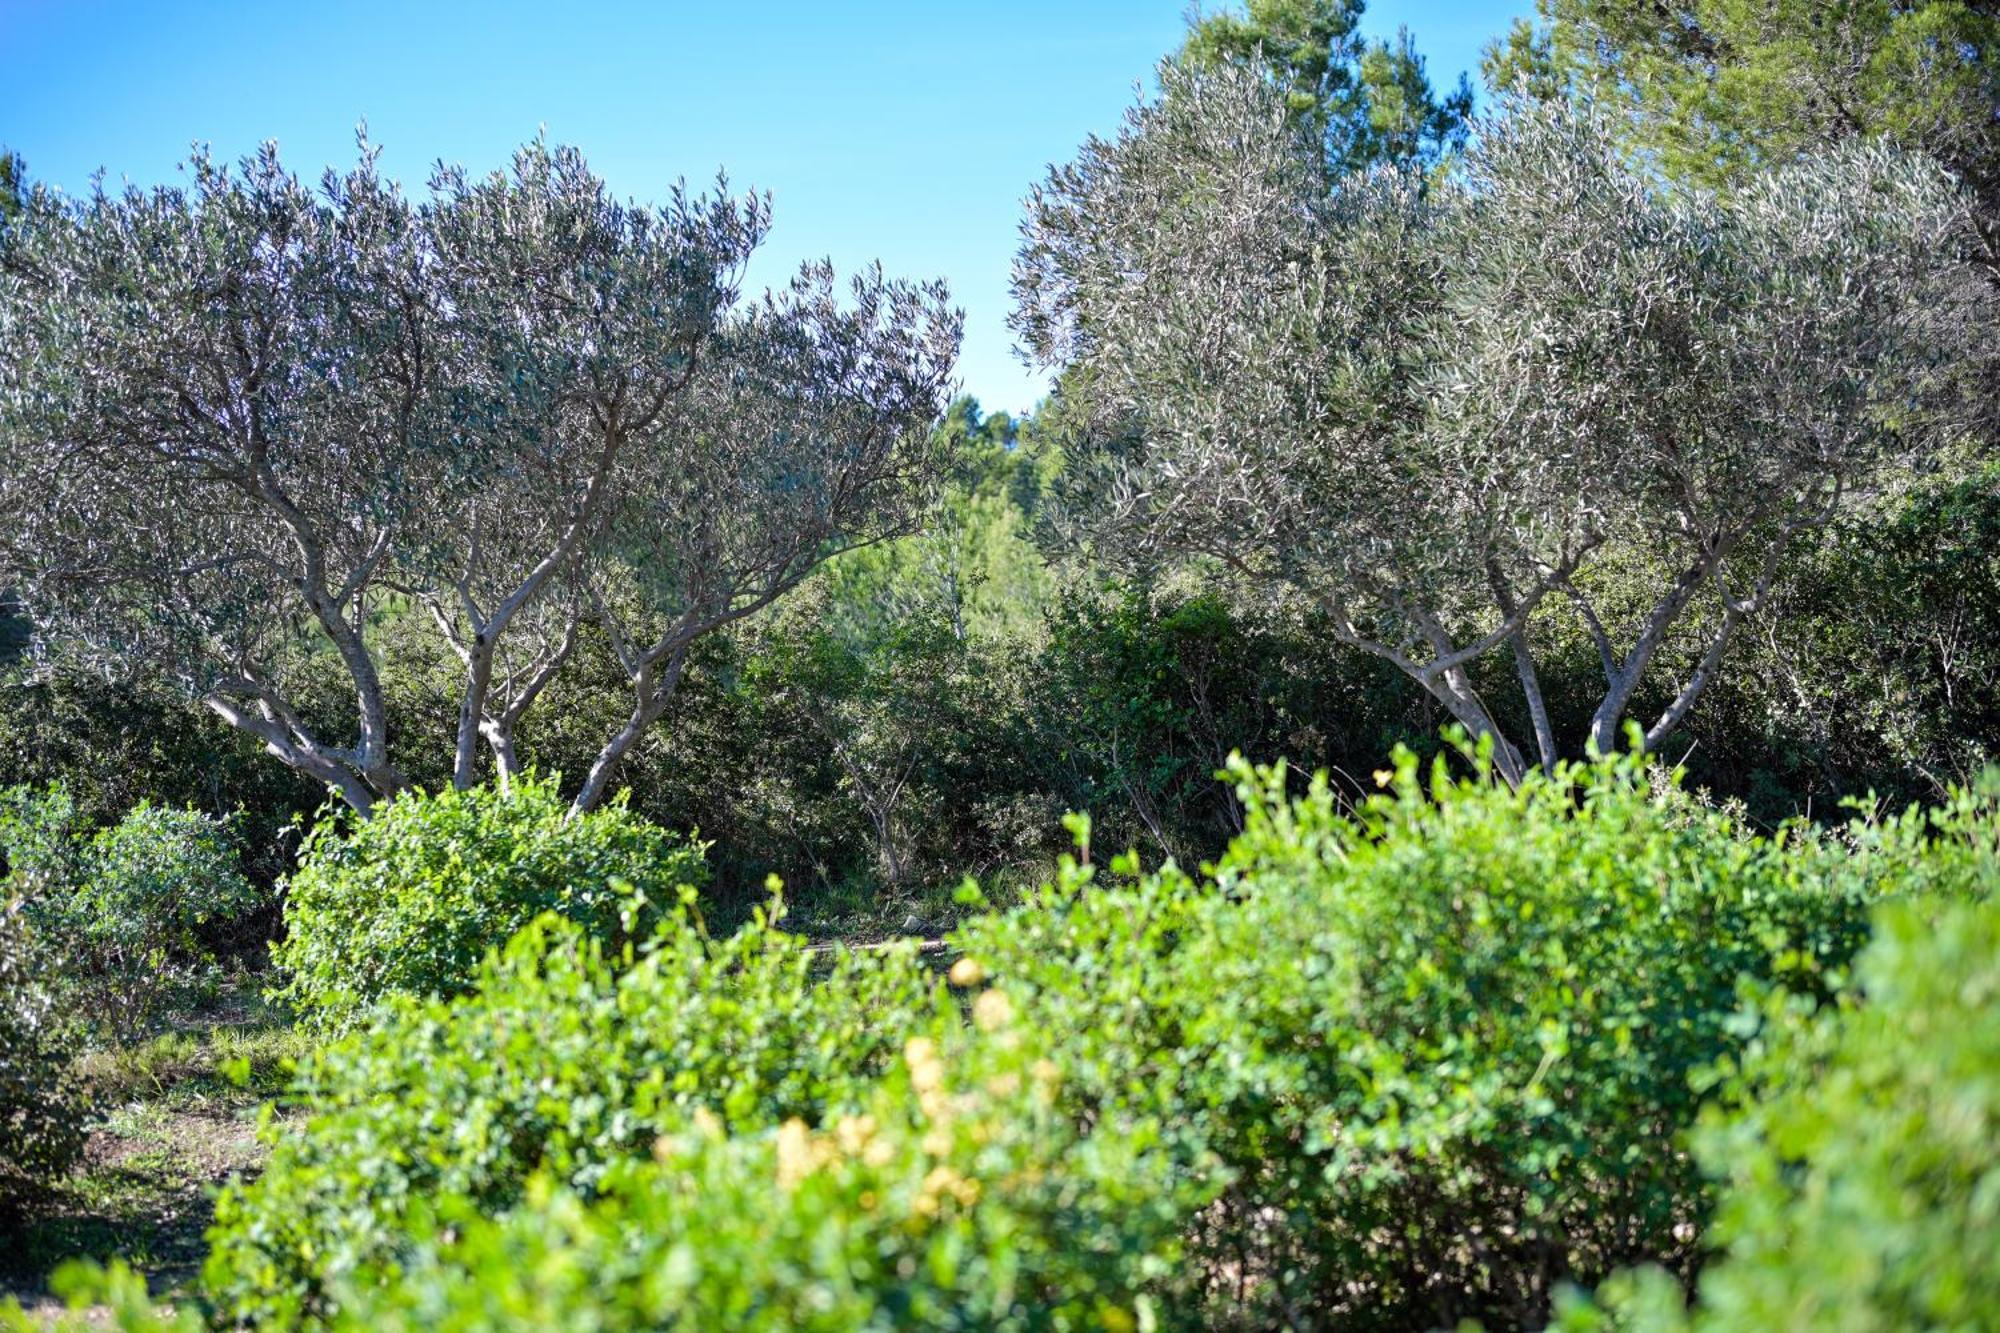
(967, 972)
(854, 1133)
(943, 1181)
(798, 1155)
(992, 1010)
(926, 1072)
(857, 1138)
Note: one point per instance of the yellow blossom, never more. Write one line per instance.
(943, 1181)
(854, 1133)
(967, 972)
(992, 1010)
(798, 1155)
(926, 1071)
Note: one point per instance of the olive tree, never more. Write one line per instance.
(1438, 411)
(245, 423)
(572, 323)
(214, 400)
(808, 431)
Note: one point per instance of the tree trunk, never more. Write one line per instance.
(650, 695)
(472, 710)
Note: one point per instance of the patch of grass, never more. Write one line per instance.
(177, 1118)
(232, 1063)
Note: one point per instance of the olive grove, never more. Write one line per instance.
(245, 423)
(1444, 413)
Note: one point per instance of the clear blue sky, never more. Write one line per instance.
(901, 131)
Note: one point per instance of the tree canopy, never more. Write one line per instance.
(1369, 101)
(1433, 413)
(1716, 89)
(244, 422)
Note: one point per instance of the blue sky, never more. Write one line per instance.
(901, 131)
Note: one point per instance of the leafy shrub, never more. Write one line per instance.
(1444, 1046)
(98, 1297)
(39, 839)
(113, 743)
(1414, 1063)
(410, 899)
(154, 884)
(557, 1062)
(1859, 1173)
(125, 912)
(41, 1115)
(957, 1195)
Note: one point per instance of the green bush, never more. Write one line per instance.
(126, 913)
(1860, 1182)
(1444, 1047)
(1421, 1061)
(112, 744)
(39, 840)
(557, 1062)
(410, 899)
(957, 1195)
(42, 1116)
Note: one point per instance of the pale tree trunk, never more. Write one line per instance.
(655, 671)
(471, 709)
(1623, 675)
(506, 762)
(331, 607)
(498, 730)
(297, 754)
(479, 650)
(1445, 677)
(1524, 666)
(362, 774)
(652, 690)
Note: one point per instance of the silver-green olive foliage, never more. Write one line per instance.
(244, 422)
(1433, 410)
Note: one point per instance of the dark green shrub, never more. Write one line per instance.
(1860, 1181)
(1444, 1046)
(113, 744)
(557, 1061)
(410, 899)
(126, 913)
(155, 884)
(42, 1116)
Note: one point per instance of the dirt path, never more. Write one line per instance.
(173, 1129)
